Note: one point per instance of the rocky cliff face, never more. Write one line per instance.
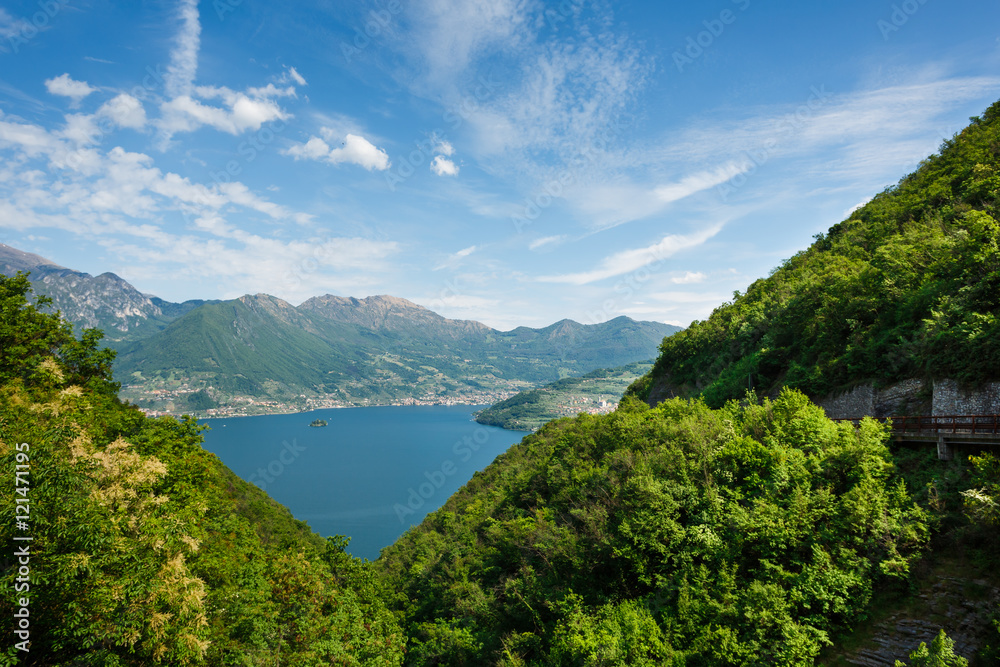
(389, 313)
(961, 605)
(105, 301)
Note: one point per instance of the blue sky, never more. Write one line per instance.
(510, 161)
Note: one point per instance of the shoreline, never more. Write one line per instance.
(203, 417)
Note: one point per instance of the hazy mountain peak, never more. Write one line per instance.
(13, 260)
(385, 312)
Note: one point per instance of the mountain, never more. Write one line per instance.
(259, 353)
(596, 392)
(340, 351)
(105, 302)
(389, 313)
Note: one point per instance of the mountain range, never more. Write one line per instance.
(259, 353)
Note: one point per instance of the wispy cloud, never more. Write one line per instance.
(455, 258)
(544, 241)
(183, 67)
(537, 98)
(704, 180)
(10, 26)
(453, 34)
(626, 261)
(870, 130)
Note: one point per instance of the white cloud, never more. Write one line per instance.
(296, 77)
(186, 114)
(270, 90)
(125, 111)
(183, 66)
(689, 278)
(355, 150)
(81, 129)
(444, 148)
(544, 241)
(67, 87)
(704, 180)
(465, 252)
(184, 109)
(360, 151)
(635, 259)
(442, 166)
(314, 149)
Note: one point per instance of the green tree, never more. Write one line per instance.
(941, 653)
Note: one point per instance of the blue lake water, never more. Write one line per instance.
(370, 474)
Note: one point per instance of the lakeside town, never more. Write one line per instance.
(177, 401)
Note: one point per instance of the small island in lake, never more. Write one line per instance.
(318, 422)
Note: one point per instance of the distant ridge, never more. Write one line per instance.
(259, 353)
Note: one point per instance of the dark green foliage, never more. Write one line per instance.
(908, 286)
(200, 401)
(528, 410)
(941, 653)
(29, 336)
(677, 535)
(982, 505)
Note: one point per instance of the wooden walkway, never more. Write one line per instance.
(947, 432)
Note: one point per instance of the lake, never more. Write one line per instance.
(370, 474)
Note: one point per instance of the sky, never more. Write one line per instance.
(515, 162)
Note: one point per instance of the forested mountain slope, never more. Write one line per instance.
(144, 548)
(907, 287)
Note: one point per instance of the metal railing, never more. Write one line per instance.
(966, 424)
(980, 424)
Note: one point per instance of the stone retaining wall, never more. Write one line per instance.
(951, 399)
(898, 399)
(906, 398)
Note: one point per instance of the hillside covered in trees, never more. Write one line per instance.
(145, 549)
(907, 287)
